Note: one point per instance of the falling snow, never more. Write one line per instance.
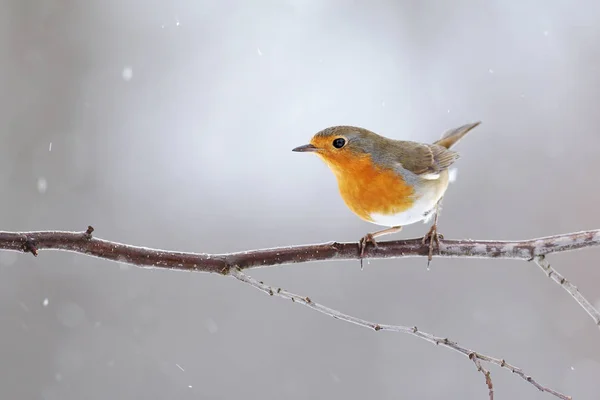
(258, 51)
(42, 185)
(50, 147)
(45, 302)
(127, 74)
(211, 325)
(452, 174)
(180, 367)
(335, 377)
(491, 71)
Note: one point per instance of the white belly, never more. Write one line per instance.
(423, 208)
(420, 211)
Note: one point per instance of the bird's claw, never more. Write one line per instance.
(362, 245)
(433, 237)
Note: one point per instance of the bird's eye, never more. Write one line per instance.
(339, 143)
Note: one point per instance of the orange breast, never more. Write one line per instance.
(367, 188)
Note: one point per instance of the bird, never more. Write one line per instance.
(388, 182)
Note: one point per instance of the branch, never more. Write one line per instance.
(410, 330)
(486, 374)
(533, 249)
(84, 243)
(569, 287)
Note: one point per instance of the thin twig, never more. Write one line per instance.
(411, 330)
(569, 287)
(486, 374)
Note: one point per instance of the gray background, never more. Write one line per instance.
(171, 126)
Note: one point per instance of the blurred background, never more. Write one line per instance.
(170, 124)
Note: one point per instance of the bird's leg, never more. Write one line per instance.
(433, 236)
(370, 238)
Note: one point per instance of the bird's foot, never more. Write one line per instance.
(362, 246)
(433, 237)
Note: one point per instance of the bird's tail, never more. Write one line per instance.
(451, 137)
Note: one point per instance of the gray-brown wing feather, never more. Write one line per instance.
(422, 159)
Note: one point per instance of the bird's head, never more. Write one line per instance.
(341, 147)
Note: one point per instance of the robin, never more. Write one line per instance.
(388, 182)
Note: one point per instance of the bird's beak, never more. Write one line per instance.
(306, 148)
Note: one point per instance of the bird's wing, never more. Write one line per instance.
(428, 160)
(425, 160)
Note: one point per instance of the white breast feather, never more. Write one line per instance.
(425, 203)
(415, 214)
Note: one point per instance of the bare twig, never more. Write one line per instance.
(569, 287)
(485, 372)
(411, 330)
